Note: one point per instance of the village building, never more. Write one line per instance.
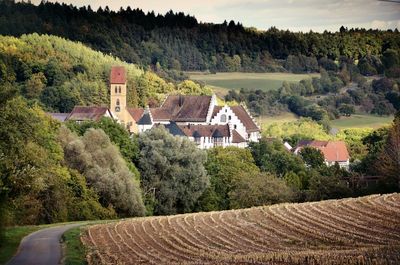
(196, 117)
(59, 116)
(333, 151)
(81, 114)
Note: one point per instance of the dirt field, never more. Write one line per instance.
(349, 231)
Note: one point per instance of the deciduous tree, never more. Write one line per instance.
(173, 176)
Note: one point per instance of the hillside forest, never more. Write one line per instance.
(176, 41)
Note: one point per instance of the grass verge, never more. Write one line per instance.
(12, 238)
(74, 250)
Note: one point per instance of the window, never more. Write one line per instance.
(230, 118)
(116, 91)
(226, 110)
(223, 118)
(234, 126)
(218, 141)
(119, 89)
(117, 103)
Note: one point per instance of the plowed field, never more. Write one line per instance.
(365, 230)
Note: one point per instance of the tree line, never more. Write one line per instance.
(176, 41)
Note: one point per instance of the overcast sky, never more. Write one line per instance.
(296, 15)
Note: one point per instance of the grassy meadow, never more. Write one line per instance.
(354, 121)
(265, 121)
(222, 82)
(362, 121)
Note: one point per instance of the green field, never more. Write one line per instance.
(355, 121)
(221, 82)
(265, 121)
(362, 121)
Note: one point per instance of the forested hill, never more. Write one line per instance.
(59, 74)
(177, 41)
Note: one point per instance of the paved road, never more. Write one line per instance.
(42, 247)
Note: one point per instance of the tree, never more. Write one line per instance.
(390, 58)
(172, 173)
(191, 88)
(94, 156)
(388, 162)
(35, 185)
(35, 85)
(327, 185)
(258, 189)
(118, 135)
(346, 109)
(313, 157)
(272, 157)
(374, 142)
(225, 166)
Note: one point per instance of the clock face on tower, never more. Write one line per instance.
(117, 109)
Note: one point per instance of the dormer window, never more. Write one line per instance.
(197, 137)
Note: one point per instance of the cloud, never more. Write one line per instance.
(304, 15)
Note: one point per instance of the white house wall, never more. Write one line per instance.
(226, 110)
(213, 103)
(254, 136)
(208, 142)
(143, 128)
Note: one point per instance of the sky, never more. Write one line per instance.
(295, 15)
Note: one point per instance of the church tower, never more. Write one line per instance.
(118, 94)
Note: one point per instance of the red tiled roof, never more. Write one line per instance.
(136, 113)
(160, 114)
(59, 116)
(205, 130)
(312, 143)
(336, 151)
(333, 151)
(215, 111)
(118, 75)
(245, 118)
(87, 113)
(237, 138)
(187, 108)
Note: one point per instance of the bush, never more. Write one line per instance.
(258, 189)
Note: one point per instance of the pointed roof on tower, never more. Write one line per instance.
(118, 75)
